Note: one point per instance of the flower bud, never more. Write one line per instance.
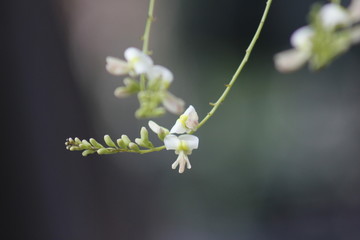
(109, 141)
(121, 92)
(125, 139)
(134, 147)
(85, 144)
(95, 143)
(87, 152)
(102, 151)
(121, 143)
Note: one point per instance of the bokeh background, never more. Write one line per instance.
(279, 160)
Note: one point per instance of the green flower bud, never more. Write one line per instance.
(102, 151)
(109, 141)
(134, 147)
(85, 144)
(87, 152)
(121, 92)
(126, 139)
(144, 133)
(74, 148)
(162, 133)
(121, 143)
(132, 86)
(95, 143)
(139, 142)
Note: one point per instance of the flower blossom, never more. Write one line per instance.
(160, 79)
(183, 146)
(160, 75)
(136, 63)
(292, 59)
(173, 104)
(333, 15)
(187, 122)
(160, 131)
(332, 31)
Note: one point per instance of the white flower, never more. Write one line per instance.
(173, 104)
(138, 60)
(161, 73)
(117, 66)
(333, 15)
(183, 146)
(136, 63)
(160, 131)
(187, 122)
(354, 10)
(293, 59)
(290, 60)
(301, 38)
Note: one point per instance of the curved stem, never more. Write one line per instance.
(241, 66)
(141, 151)
(155, 149)
(145, 38)
(149, 20)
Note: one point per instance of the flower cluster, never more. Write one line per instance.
(150, 82)
(331, 31)
(182, 144)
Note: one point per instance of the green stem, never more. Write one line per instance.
(145, 39)
(241, 66)
(156, 149)
(149, 20)
(142, 151)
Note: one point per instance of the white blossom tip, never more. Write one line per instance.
(333, 15)
(301, 38)
(116, 66)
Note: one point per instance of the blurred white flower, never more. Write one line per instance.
(173, 104)
(354, 10)
(187, 122)
(136, 63)
(301, 38)
(293, 59)
(183, 146)
(161, 74)
(333, 15)
(117, 66)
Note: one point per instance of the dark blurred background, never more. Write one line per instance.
(279, 160)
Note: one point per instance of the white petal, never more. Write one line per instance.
(117, 66)
(333, 15)
(354, 10)
(301, 38)
(132, 53)
(173, 104)
(154, 127)
(290, 60)
(175, 164)
(192, 141)
(182, 160)
(192, 121)
(138, 60)
(160, 72)
(178, 128)
(171, 142)
(121, 92)
(141, 67)
(188, 163)
(189, 110)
